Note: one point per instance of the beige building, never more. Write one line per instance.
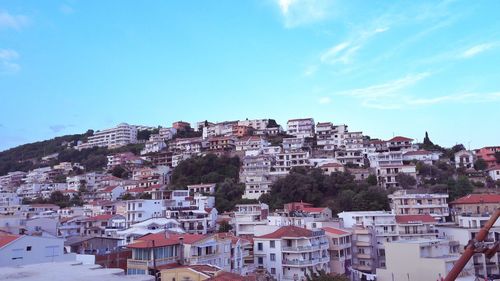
(474, 204)
(423, 259)
(339, 250)
(404, 202)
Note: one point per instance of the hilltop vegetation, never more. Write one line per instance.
(29, 156)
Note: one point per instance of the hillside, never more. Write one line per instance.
(29, 156)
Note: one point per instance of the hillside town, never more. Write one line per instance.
(250, 200)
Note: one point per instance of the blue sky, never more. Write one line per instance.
(384, 67)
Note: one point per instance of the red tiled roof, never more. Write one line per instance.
(333, 230)
(406, 219)
(494, 168)
(7, 239)
(312, 209)
(399, 139)
(100, 217)
(288, 231)
(69, 191)
(160, 240)
(477, 199)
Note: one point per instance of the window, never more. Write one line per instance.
(28, 248)
(273, 270)
(272, 244)
(260, 260)
(272, 257)
(259, 246)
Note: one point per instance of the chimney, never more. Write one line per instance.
(181, 250)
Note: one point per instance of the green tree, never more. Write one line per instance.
(228, 194)
(372, 180)
(119, 172)
(405, 180)
(127, 196)
(480, 164)
(224, 226)
(459, 188)
(145, 196)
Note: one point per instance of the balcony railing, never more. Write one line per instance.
(305, 262)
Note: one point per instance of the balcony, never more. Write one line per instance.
(363, 256)
(306, 248)
(305, 262)
(362, 244)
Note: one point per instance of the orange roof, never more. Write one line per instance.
(161, 240)
(100, 217)
(313, 209)
(407, 219)
(478, 199)
(333, 230)
(288, 231)
(7, 239)
(399, 139)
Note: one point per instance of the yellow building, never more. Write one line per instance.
(191, 272)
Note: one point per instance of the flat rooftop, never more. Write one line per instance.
(63, 271)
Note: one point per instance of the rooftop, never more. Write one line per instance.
(288, 231)
(478, 199)
(162, 240)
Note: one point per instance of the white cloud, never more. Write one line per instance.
(310, 70)
(12, 21)
(388, 89)
(302, 12)
(66, 9)
(345, 51)
(325, 100)
(475, 50)
(8, 64)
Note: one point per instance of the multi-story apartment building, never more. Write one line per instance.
(387, 175)
(202, 188)
(422, 259)
(154, 251)
(301, 128)
(142, 209)
(166, 134)
(416, 226)
(352, 157)
(287, 160)
(488, 154)
(187, 146)
(404, 202)
(400, 144)
(294, 144)
(248, 216)
(9, 199)
(254, 143)
(121, 135)
(257, 124)
(474, 204)
(219, 129)
(153, 146)
(291, 252)
(339, 249)
(19, 250)
(467, 226)
(12, 179)
(370, 230)
(221, 143)
(97, 225)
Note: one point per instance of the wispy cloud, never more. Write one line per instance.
(8, 20)
(310, 70)
(8, 61)
(59, 127)
(345, 51)
(394, 95)
(477, 49)
(325, 100)
(302, 12)
(66, 9)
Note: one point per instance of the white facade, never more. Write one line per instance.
(301, 128)
(30, 249)
(121, 135)
(143, 209)
(406, 203)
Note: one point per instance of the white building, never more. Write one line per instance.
(153, 225)
(121, 135)
(371, 229)
(16, 250)
(494, 173)
(422, 259)
(464, 159)
(248, 216)
(143, 209)
(427, 157)
(301, 128)
(290, 252)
